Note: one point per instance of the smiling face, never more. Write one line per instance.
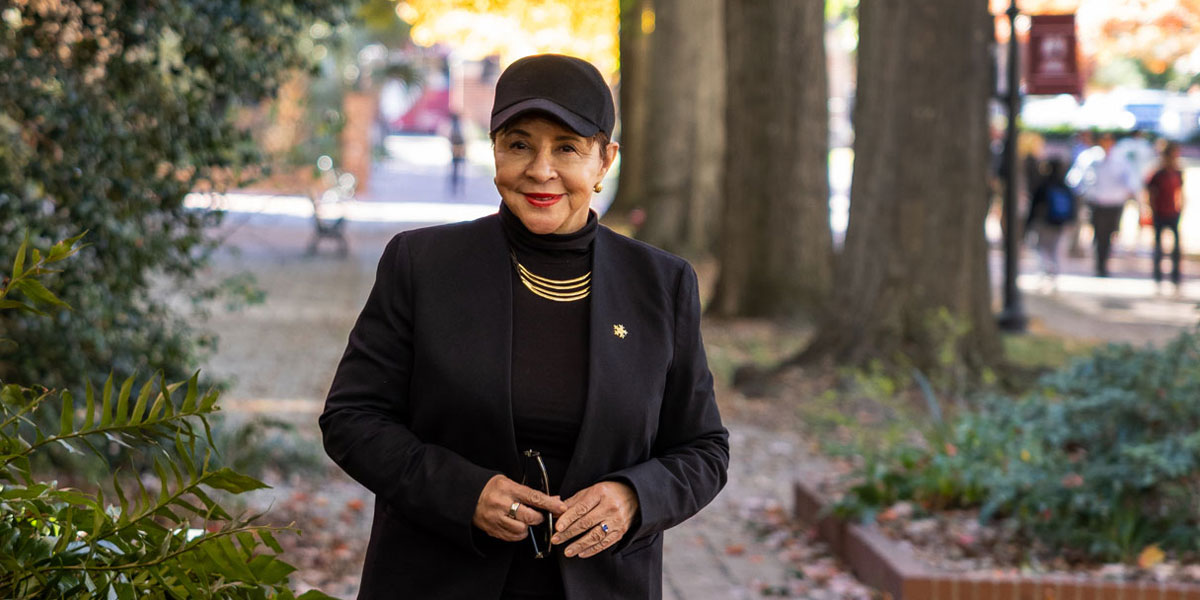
(545, 173)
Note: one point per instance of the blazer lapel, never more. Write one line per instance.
(606, 301)
(488, 313)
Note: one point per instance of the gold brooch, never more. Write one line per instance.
(619, 331)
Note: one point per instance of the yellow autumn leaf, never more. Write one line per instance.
(1025, 456)
(1151, 555)
(515, 28)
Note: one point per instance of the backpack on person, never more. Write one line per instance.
(1060, 204)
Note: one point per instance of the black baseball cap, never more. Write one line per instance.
(569, 88)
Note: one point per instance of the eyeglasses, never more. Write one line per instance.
(536, 478)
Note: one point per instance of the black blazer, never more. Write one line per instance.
(419, 411)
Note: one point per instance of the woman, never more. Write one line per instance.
(1165, 189)
(529, 346)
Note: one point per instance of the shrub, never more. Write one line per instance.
(1101, 460)
(110, 113)
(169, 539)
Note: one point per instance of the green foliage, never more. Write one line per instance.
(1101, 460)
(841, 10)
(110, 113)
(380, 20)
(1065, 132)
(28, 267)
(170, 539)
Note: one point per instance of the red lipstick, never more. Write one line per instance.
(543, 200)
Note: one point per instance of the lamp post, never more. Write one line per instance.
(1012, 317)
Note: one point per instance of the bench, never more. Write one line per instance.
(329, 207)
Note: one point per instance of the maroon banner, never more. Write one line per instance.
(1053, 56)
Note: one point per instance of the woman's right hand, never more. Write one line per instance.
(496, 500)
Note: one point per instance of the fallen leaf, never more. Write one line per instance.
(899, 510)
(1072, 480)
(1151, 555)
(355, 505)
(735, 549)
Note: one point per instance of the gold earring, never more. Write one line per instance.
(599, 187)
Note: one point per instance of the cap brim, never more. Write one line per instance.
(577, 123)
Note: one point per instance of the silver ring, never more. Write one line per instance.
(604, 528)
(512, 510)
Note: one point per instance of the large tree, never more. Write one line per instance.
(913, 278)
(683, 132)
(775, 249)
(634, 49)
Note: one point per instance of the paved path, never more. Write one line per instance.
(1126, 307)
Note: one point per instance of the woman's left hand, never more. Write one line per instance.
(608, 504)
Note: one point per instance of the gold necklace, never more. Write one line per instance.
(558, 290)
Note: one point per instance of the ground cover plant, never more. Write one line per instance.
(1099, 462)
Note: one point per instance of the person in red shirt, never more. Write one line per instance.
(1165, 188)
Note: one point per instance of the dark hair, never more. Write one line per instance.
(1055, 168)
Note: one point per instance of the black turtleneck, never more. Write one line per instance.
(549, 373)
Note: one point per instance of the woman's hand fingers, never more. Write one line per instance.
(494, 509)
(531, 497)
(577, 518)
(608, 505)
(593, 542)
(529, 516)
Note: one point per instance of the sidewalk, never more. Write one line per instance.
(1126, 307)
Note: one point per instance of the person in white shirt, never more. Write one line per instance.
(1139, 152)
(1106, 181)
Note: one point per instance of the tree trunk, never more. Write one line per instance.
(634, 49)
(913, 275)
(708, 143)
(684, 114)
(776, 249)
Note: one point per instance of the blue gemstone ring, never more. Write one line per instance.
(604, 527)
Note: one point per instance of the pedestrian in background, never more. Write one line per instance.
(1165, 188)
(1083, 149)
(1032, 149)
(1080, 143)
(1050, 210)
(1139, 152)
(1106, 182)
(458, 154)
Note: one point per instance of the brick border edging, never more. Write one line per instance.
(885, 565)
